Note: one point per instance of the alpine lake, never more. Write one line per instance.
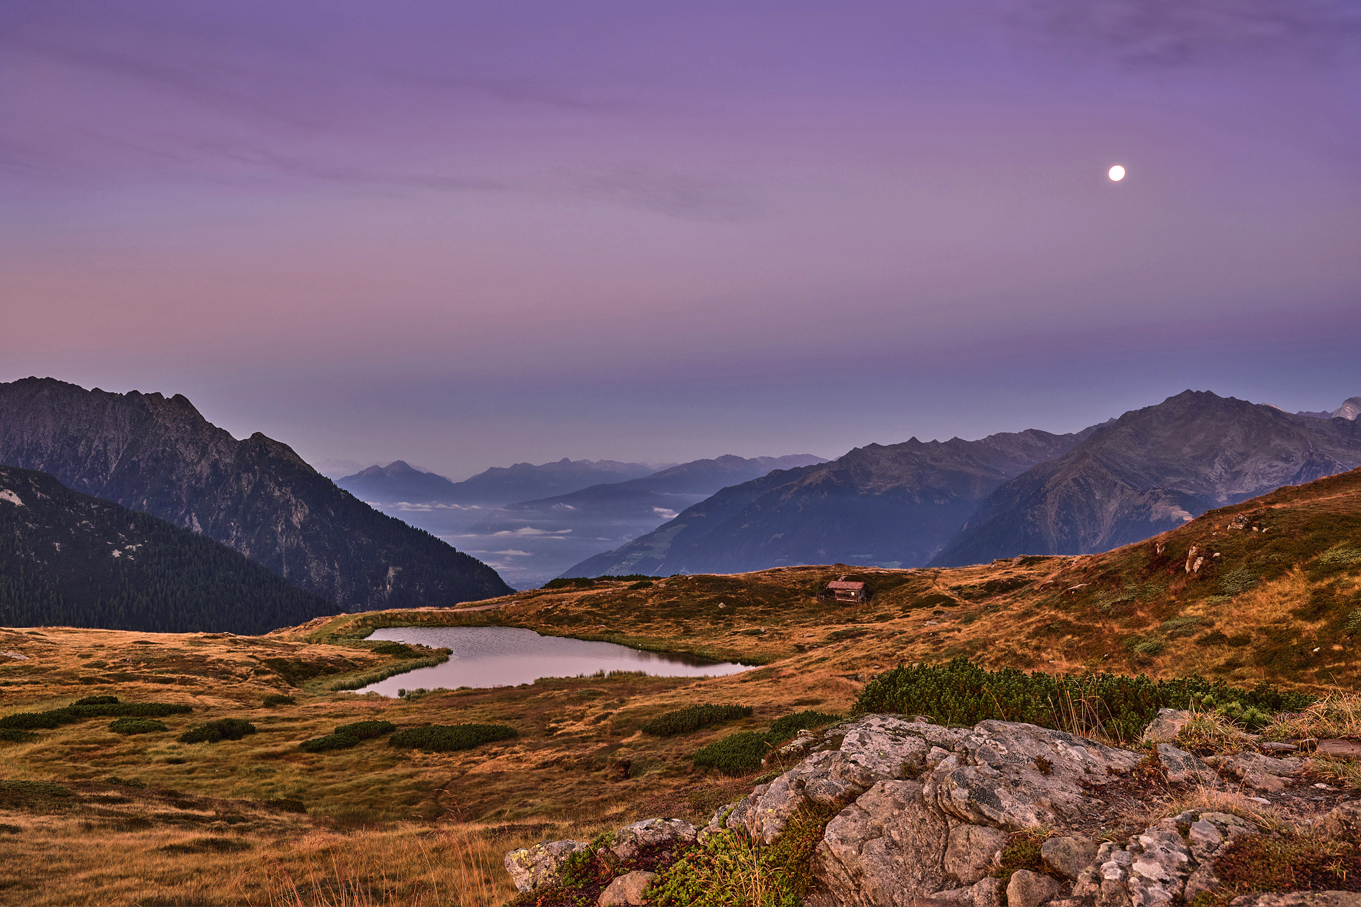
(483, 657)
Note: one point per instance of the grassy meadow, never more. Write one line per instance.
(1272, 593)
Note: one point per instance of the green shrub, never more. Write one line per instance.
(137, 726)
(1021, 852)
(15, 735)
(216, 731)
(570, 582)
(97, 700)
(1144, 646)
(694, 718)
(443, 738)
(736, 754)
(961, 694)
(1238, 581)
(335, 741)
(367, 730)
(786, 728)
(12, 791)
(1353, 624)
(276, 699)
(90, 707)
(728, 867)
(348, 735)
(398, 649)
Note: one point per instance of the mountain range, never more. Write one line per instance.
(158, 455)
(1153, 470)
(399, 481)
(530, 540)
(892, 505)
(957, 502)
(70, 559)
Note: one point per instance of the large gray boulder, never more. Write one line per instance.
(886, 848)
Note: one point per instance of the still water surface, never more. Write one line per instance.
(506, 656)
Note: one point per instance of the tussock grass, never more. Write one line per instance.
(1335, 715)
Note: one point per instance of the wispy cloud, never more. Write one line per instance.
(1169, 33)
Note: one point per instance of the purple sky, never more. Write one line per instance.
(470, 234)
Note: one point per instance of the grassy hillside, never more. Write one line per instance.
(191, 822)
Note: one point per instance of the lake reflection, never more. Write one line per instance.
(506, 656)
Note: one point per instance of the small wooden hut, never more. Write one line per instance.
(844, 591)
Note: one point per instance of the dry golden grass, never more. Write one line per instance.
(1233, 802)
(392, 826)
(1336, 715)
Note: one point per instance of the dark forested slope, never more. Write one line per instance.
(159, 455)
(68, 559)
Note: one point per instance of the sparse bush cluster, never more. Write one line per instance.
(273, 700)
(961, 694)
(694, 718)
(348, 735)
(728, 867)
(587, 582)
(786, 728)
(396, 649)
(87, 708)
(129, 726)
(735, 754)
(743, 752)
(217, 731)
(445, 738)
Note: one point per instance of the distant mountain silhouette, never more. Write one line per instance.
(160, 456)
(496, 486)
(68, 559)
(892, 506)
(1152, 470)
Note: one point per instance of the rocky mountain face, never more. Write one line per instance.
(158, 455)
(1150, 471)
(68, 559)
(1350, 409)
(891, 506)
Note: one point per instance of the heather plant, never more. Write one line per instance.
(129, 726)
(735, 754)
(961, 694)
(348, 735)
(694, 718)
(90, 707)
(444, 738)
(217, 731)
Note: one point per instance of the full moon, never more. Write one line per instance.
(1117, 173)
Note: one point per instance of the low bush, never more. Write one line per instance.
(273, 700)
(1279, 863)
(961, 694)
(444, 738)
(137, 726)
(217, 731)
(348, 735)
(328, 743)
(398, 649)
(1021, 852)
(735, 754)
(786, 728)
(18, 792)
(367, 730)
(15, 735)
(728, 867)
(694, 718)
(90, 707)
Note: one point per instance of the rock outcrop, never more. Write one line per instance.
(926, 814)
